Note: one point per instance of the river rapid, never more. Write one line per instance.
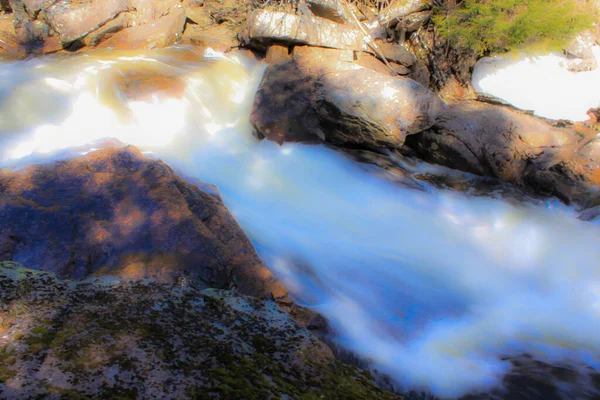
(432, 287)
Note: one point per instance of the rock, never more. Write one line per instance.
(150, 11)
(395, 53)
(276, 52)
(594, 114)
(370, 61)
(266, 26)
(162, 33)
(398, 10)
(418, 72)
(218, 37)
(9, 47)
(199, 16)
(48, 26)
(315, 96)
(333, 10)
(72, 20)
(376, 31)
(551, 158)
(112, 338)
(413, 22)
(115, 212)
(122, 21)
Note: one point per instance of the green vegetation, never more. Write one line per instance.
(496, 26)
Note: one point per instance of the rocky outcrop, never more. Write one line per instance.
(317, 95)
(50, 26)
(116, 212)
(552, 157)
(113, 338)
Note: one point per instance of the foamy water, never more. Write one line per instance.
(433, 288)
(541, 84)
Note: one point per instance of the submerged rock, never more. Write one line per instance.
(317, 95)
(113, 338)
(116, 212)
(553, 158)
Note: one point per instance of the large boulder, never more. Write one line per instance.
(115, 212)
(554, 158)
(320, 95)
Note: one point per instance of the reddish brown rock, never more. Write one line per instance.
(218, 37)
(162, 33)
(72, 20)
(116, 212)
(9, 47)
(553, 158)
(317, 96)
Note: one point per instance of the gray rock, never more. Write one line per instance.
(552, 158)
(265, 26)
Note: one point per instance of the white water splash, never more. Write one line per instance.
(433, 288)
(542, 84)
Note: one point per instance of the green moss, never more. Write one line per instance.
(496, 26)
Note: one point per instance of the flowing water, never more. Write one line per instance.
(432, 287)
(542, 84)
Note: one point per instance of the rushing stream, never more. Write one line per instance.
(433, 287)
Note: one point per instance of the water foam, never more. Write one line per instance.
(541, 84)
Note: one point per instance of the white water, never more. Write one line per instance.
(431, 287)
(541, 84)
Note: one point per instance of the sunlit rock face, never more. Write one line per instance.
(118, 213)
(557, 159)
(114, 338)
(319, 96)
(542, 84)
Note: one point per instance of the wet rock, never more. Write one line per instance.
(115, 212)
(265, 26)
(316, 96)
(114, 338)
(162, 33)
(553, 158)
